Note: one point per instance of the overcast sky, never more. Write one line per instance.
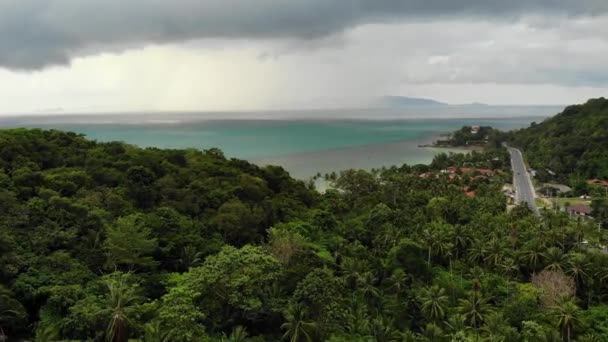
(183, 55)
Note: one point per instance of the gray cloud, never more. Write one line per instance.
(38, 33)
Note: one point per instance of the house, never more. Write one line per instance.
(468, 192)
(597, 182)
(579, 210)
(558, 187)
(475, 129)
(486, 172)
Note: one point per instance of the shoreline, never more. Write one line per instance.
(464, 148)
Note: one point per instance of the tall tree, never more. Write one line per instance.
(433, 302)
(566, 314)
(11, 311)
(298, 327)
(121, 301)
(129, 244)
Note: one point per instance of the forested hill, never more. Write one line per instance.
(572, 143)
(111, 242)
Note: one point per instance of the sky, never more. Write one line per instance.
(79, 56)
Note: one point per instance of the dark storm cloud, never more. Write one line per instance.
(39, 33)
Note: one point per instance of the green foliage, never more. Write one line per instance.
(106, 241)
(570, 143)
(129, 244)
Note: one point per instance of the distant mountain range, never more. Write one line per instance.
(403, 101)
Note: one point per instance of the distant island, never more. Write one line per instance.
(403, 101)
(393, 101)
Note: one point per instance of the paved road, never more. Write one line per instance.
(524, 190)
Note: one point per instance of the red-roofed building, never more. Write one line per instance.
(597, 182)
(468, 192)
(579, 209)
(486, 172)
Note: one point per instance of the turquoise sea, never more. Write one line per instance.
(302, 144)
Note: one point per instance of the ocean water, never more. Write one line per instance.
(302, 144)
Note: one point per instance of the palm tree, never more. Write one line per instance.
(429, 240)
(433, 302)
(358, 321)
(455, 323)
(495, 252)
(238, 334)
(368, 289)
(589, 338)
(509, 268)
(297, 327)
(495, 323)
(460, 239)
(476, 274)
(48, 333)
(554, 259)
(121, 301)
(383, 331)
(353, 270)
(566, 314)
(189, 257)
(474, 309)
(433, 332)
(477, 252)
(435, 238)
(153, 332)
(398, 281)
(531, 255)
(575, 267)
(11, 310)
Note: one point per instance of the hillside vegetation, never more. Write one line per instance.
(572, 144)
(110, 242)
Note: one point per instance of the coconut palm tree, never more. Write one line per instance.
(433, 302)
(238, 334)
(474, 309)
(576, 266)
(298, 328)
(566, 313)
(11, 310)
(154, 332)
(589, 338)
(554, 259)
(48, 333)
(476, 274)
(121, 301)
(477, 252)
(398, 281)
(531, 255)
(189, 257)
(383, 331)
(455, 323)
(509, 268)
(494, 326)
(460, 239)
(433, 332)
(495, 252)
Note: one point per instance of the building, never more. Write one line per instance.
(597, 182)
(486, 172)
(579, 210)
(475, 129)
(554, 188)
